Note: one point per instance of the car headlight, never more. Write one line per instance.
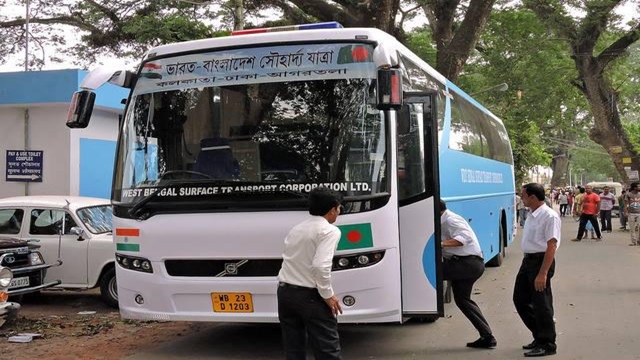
(35, 258)
(5, 277)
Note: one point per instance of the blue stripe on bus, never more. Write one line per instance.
(429, 261)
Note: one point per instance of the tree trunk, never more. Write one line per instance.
(455, 42)
(560, 168)
(607, 128)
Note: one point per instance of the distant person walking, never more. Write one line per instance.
(632, 210)
(307, 304)
(532, 294)
(607, 201)
(564, 202)
(463, 265)
(622, 211)
(588, 213)
(522, 211)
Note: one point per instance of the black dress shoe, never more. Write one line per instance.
(487, 342)
(538, 351)
(530, 346)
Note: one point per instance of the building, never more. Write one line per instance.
(41, 155)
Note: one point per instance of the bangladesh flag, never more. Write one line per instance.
(355, 236)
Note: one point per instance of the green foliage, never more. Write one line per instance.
(420, 42)
(590, 162)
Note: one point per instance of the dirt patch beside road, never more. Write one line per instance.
(69, 335)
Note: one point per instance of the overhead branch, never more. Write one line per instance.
(325, 11)
(112, 15)
(64, 20)
(595, 22)
(554, 17)
(618, 47)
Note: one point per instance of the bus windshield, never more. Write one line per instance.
(232, 135)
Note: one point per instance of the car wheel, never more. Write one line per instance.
(109, 288)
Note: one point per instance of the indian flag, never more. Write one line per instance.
(355, 236)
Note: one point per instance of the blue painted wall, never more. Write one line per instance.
(54, 86)
(96, 167)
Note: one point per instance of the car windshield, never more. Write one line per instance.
(263, 133)
(96, 218)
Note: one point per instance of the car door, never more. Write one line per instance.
(43, 227)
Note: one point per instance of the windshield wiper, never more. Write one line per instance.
(137, 210)
(357, 198)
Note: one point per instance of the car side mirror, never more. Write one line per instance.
(78, 231)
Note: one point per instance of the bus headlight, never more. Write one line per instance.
(5, 277)
(352, 261)
(134, 263)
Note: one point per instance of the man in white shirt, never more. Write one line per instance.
(462, 265)
(607, 201)
(532, 291)
(306, 301)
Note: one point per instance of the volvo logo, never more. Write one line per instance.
(232, 268)
(9, 259)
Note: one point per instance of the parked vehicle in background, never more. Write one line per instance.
(614, 187)
(22, 271)
(74, 229)
(8, 310)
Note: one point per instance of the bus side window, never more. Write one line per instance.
(410, 140)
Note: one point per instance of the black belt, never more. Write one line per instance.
(297, 287)
(534, 255)
(458, 257)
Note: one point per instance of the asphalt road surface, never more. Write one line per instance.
(596, 296)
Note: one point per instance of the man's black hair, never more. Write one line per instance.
(633, 185)
(443, 205)
(535, 189)
(322, 200)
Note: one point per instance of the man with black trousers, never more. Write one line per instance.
(462, 265)
(532, 292)
(307, 304)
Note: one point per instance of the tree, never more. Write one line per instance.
(456, 29)
(594, 56)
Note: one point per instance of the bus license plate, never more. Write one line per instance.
(19, 282)
(232, 302)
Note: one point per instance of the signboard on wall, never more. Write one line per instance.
(24, 165)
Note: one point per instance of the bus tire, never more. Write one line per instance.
(109, 288)
(496, 261)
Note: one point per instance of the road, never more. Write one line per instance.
(596, 296)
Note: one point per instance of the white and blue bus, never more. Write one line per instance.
(223, 138)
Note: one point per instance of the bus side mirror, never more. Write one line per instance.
(389, 89)
(80, 109)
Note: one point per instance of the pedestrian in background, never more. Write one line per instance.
(522, 211)
(621, 211)
(564, 202)
(577, 205)
(607, 201)
(463, 265)
(532, 294)
(590, 210)
(632, 210)
(307, 304)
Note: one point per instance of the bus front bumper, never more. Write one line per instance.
(159, 297)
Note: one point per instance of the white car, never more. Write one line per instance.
(76, 230)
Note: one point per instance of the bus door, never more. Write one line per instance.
(418, 198)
